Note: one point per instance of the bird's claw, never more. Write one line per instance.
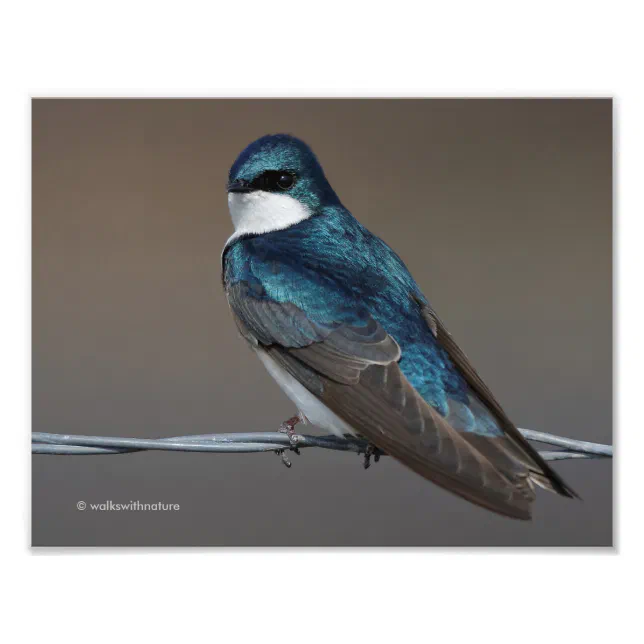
(371, 450)
(285, 459)
(288, 428)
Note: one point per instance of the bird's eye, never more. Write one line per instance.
(275, 181)
(285, 181)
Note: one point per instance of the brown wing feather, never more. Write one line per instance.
(355, 372)
(384, 408)
(514, 445)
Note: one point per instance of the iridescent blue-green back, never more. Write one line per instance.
(337, 272)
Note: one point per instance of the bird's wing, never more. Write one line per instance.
(512, 443)
(354, 370)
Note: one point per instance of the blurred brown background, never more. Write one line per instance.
(501, 210)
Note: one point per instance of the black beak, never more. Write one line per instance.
(239, 186)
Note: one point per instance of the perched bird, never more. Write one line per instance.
(341, 325)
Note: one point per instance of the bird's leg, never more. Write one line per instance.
(288, 428)
(371, 450)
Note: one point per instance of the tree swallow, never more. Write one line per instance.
(338, 321)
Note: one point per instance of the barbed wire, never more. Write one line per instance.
(280, 442)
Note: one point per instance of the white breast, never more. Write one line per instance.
(260, 212)
(311, 406)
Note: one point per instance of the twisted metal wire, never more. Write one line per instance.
(246, 442)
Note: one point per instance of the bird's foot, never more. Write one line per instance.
(285, 459)
(371, 450)
(288, 428)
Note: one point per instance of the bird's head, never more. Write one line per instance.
(275, 183)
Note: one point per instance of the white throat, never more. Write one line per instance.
(263, 212)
